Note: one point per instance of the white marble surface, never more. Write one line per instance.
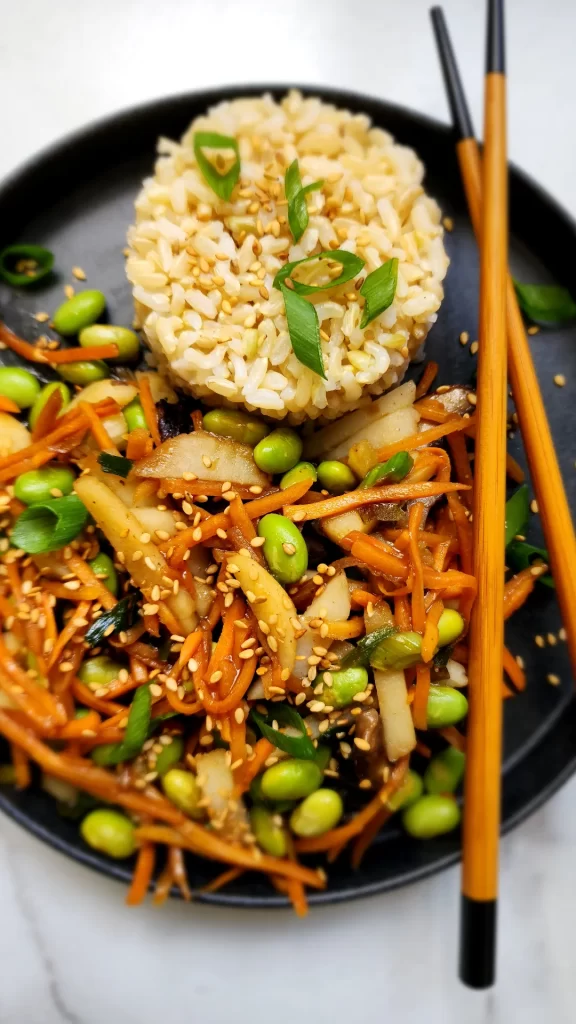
(69, 950)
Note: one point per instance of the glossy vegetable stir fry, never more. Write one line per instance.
(230, 639)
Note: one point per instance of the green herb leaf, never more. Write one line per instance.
(22, 265)
(394, 469)
(122, 616)
(115, 464)
(136, 732)
(379, 290)
(296, 195)
(546, 303)
(366, 646)
(520, 555)
(298, 746)
(49, 525)
(517, 511)
(351, 267)
(221, 184)
(304, 331)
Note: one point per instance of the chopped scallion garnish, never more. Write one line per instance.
(546, 303)
(137, 728)
(220, 183)
(284, 715)
(22, 265)
(49, 525)
(296, 195)
(115, 464)
(379, 290)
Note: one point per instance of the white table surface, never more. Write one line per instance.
(69, 950)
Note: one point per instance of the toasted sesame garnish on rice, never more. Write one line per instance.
(202, 269)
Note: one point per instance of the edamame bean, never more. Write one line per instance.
(343, 687)
(42, 484)
(398, 651)
(182, 789)
(240, 426)
(110, 832)
(317, 814)
(108, 334)
(170, 754)
(336, 477)
(102, 565)
(80, 311)
(279, 451)
(134, 415)
(301, 471)
(268, 830)
(322, 756)
(84, 371)
(19, 385)
(43, 397)
(291, 779)
(431, 816)
(284, 548)
(450, 626)
(446, 706)
(99, 671)
(408, 793)
(445, 771)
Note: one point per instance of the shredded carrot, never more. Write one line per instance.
(77, 355)
(453, 737)
(197, 420)
(368, 835)
(402, 616)
(427, 379)
(418, 613)
(272, 502)
(261, 752)
(430, 640)
(21, 763)
(42, 707)
(514, 470)
(139, 444)
(13, 575)
(194, 488)
(142, 874)
(424, 438)
(423, 750)
(86, 575)
(513, 670)
(433, 410)
(187, 651)
(150, 411)
(375, 554)
(48, 416)
(23, 348)
(61, 591)
(190, 538)
(42, 448)
(7, 405)
(519, 588)
(420, 703)
(178, 869)
(76, 622)
(223, 879)
(346, 630)
(240, 518)
(369, 496)
(297, 896)
(363, 597)
(77, 726)
(163, 886)
(98, 430)
(461, 459)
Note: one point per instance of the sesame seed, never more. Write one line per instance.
(246, 655)
(449, 226)
(289, 549)
(171, 685)
(365, 784)
(315, 706)
(464, 338)
(553, 679)
(474, 348)
(144, 538)
(216, 676)
(471, 398)
(552, 640)
(534, 506)
(148, 561)
(221, 534)
(150, 609)
(562, 635)
(78, 273)
(298, 516)
(189, 476)
(155, 690)
(239, 715)
(533, 330)
(560, 380)
(273, 644)
(137, 556)
(361, 744)
(187, 508)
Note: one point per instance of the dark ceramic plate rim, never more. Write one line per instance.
(566, 718)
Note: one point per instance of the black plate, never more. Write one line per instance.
(77, 199)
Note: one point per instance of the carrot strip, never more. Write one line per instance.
(346, 630)
(262, 752)
(363, 597)
(98, 430)
(21, 763)
(75, 623)
(48, 416)
(402, 616)
(23, 348)
(183, 707)
(197, 420)
(431, 409)
(369, 496)
(211, 488)
(240, 518)
(224, 879)
(76, 355)
(423, 438)
(187, 651)
(142, 874)
(453, 737)
(513, 670)
(190, 538)
(519, 588)
(367, 837)
(272, 502)
(514, 470)
(163, 886)
(235, 695)
(420, 702)
(427, 379)
(86, 575)
(150, 411)
(178, 870)
(7, 405)
(40, 705)
(77, 726)
(64, 430)
(297, 896)
(374, 553)
(430, 640)
(461, 459)
(139, 444)
(418, 613)
(13, 574)
(61, 591)
(86, 697)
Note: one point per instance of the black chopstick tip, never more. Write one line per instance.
(495, 48)
(478, 942)
(459, 111)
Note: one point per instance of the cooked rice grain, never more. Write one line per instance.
(202, 269)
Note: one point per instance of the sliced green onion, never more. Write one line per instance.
(296, 195)
(521, 555)
(546, 303)
(304, 331)
(221, 184)
(137, 728)
(394, 469)
(49, 525)
(115, 464)
(351, 267)
(21, 265)
(379, 290)
(283, 714)
(517, 510)
(366, 646)
(122, 616)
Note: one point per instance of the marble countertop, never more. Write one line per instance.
(69, 949)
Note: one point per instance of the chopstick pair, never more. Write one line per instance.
(485, 185)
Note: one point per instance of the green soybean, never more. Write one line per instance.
(182, 789)
(43, 398)
(292, 779)
(342, 686)
(78, 312)
(134, 415)
(445, 771)
(170, 754)
(446, 706)
(127, 341)
(102, 565)
(240, 426)
(450, 626)
(99, 671)
(110, 832)
(317, 814)
(84, 372)
(408, 793)
(322, 756)
(301, 471)
(431, 816)
(268, 830)
(284, 548)
(279, 451)
(336, 477)
(19, 385)
(40, 484)
(398, 651)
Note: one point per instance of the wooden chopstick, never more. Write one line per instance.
(538, 443)
(484, 735)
